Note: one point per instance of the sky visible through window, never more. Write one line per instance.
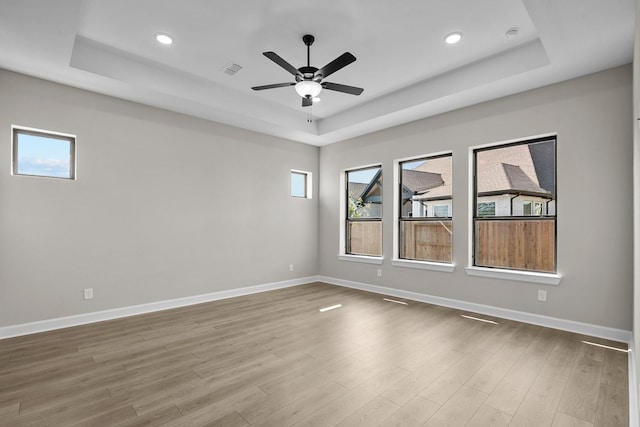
(43, 156)
(412, 165)
(298, 184)
(363, 176)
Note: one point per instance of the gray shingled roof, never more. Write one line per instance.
(441, 192)
(526, 168)
(520, 180)
(417, 181)
(440, 166)
(357, 188)
(516, 169)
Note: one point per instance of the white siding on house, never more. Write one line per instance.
(508, 205)
(503, 203)
(431, 206)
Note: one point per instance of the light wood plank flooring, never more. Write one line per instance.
(273, 359)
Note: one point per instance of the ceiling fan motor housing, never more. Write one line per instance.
(308, 73)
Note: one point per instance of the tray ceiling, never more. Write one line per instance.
(403, 64)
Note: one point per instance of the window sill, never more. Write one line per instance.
(424, 265)
(361, 258)
(521, 276)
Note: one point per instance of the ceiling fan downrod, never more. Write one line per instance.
(308, 40)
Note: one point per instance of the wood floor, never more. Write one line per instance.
(273, 359)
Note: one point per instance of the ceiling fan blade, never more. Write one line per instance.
(352, 90)
(307, 102)
(272, 86)
(338, 63)
(281, 62)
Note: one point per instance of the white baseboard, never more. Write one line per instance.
(98, 316)
(116, 313)
(520, 316)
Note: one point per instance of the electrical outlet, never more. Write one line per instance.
(379, 272)
(542, 295)
(88, 293)
(290, 267)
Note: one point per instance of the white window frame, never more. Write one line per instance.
(497, 273)
(72, 139)
(396, 261)
(308, 183)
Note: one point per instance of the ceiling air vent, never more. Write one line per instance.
(231, 68)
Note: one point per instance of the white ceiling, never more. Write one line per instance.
(403, 64)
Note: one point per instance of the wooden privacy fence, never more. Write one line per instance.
(516, 244)
(426, 240)
(365, 238)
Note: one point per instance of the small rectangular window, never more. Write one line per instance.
(441, 211)
(364, 211)
(301, 184)
(486, 208)
(530, 208)
(425, 222)
(537, 208)
(43, 153)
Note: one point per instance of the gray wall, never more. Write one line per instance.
(167, 206)
(164, 206)
(591, 116)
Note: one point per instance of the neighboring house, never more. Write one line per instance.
(434, 198)
(516, 181)
(512, 181)
(367, 197)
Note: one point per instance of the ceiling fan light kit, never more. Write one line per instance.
(309, 80)
(308, 88)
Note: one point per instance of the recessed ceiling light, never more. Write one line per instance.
(453, 38)
(164, 38)
(316, 100)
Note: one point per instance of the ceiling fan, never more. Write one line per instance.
(309, 80)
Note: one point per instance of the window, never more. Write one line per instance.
(486, 208)
(441, 211)
(301, 184)
(364, 211)
(425, 225)
(515, 199)
(531, 208)
(42, 153)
